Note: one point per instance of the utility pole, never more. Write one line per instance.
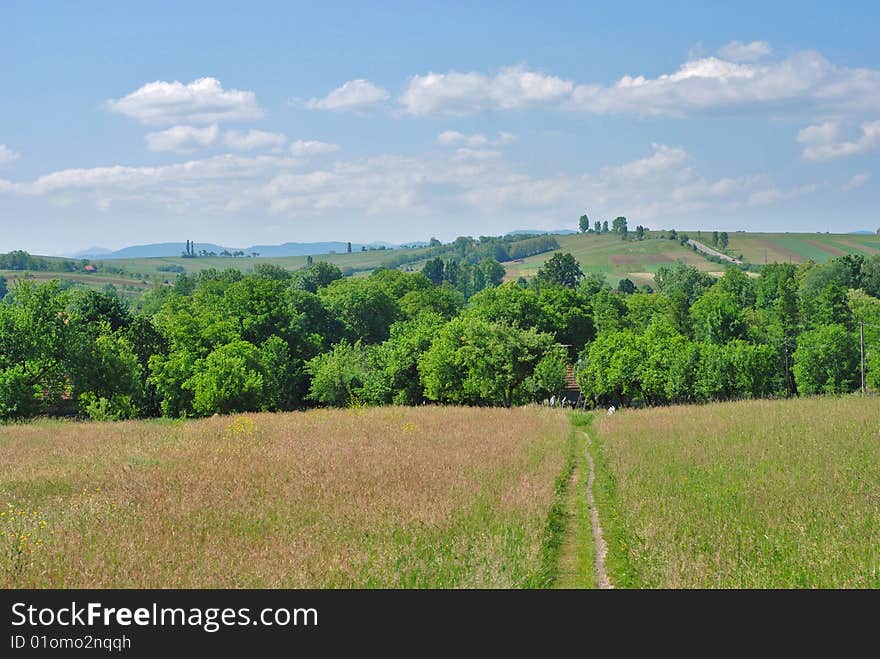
(862, 350)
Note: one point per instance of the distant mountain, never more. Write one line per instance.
(91, 252)
(176, 249)
(530, 232)
(864, 232)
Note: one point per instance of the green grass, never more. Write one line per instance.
(382, 497)
(356, 261)
(798, 247)
(615, 258)
(125, 286)
(576, 553)
(639, 260)
(753, 494)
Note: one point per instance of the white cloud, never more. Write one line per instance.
(457, 93)
(475, 140)
(821, 142)
(182, 139)
(737, 51)
(663, 159)
(856, 182)
(460, 182)
(7, 155)
(354, 95)
(252, 139)
(742, 78)
(312, 148)
(202, 101)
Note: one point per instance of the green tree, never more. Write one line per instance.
(229, 380)
(109, 379)
(619, 226)
(682, 278)
(561, 269)
(608, 369)
(337, 376)
(723, 240)
(832, 307)
(870, 276)
(584, 223)
(605, 226)
(365, 310)
(317, 276)
(717, 317)
(393, 376)
(597, 227)
(827, 361)
(92, 308)
(474, 362)
(3, 287)
(434, 270)
(626, 287)
(493, 272)
(37, 342)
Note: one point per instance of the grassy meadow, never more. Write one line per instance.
(607, 254)
(754, 494)
(380, 497)
(799, 247)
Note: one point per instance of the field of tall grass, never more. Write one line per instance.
(746, 494)
(388, 497)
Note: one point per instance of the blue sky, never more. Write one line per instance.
(259, 122)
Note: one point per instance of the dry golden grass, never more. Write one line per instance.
(745, 494)
(388, 497)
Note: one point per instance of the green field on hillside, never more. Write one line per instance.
(126, 286)
(615, 258)
(799, 247)
(607, 254)
(356, 262)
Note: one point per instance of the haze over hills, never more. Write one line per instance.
(156, 250)
(172, 249)
(175, 249)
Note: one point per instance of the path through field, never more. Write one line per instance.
(601, 549)
(708, 250)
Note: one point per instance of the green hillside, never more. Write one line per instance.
(615, 258)
(638, 260)
(798, 247)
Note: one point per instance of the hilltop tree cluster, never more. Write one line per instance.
(618, 226)
(224, 341)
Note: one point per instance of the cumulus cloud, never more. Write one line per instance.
(312, 148)
(742, 78)
(662, 184)
(354, 95)
(182, 139)
(822, 141)
(203, 101)
(475, 140)
(7, 155)
(737, 51)
(856, 182)
(455, 93)
(664, 158)
(252, 139)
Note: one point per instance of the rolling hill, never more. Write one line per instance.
(638, 260)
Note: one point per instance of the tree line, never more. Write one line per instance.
(222, 341)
